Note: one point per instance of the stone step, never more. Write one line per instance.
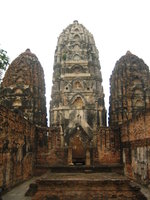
(86, 186)
(118, 168)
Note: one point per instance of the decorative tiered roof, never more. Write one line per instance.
(129, 89)
(23, 88)
(77, 92)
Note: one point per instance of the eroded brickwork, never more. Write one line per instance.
(86, 187)
(77, 106)
(78, 134)
(77, 91)
(129, 89)
(23, 88)
(107, 148)
(129, 112)
(17, 150)
(136, 148)
(103, 149)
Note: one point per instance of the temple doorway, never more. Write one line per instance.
(78, 151)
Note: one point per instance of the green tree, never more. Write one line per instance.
(4, 61)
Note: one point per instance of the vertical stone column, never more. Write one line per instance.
(94, 143)
(61, 136)
(100, 116)
(55, 116)
(88, 157)
(70, 156)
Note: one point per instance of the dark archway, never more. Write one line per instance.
(78, 149)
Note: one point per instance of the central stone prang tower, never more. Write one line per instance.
(77, 99)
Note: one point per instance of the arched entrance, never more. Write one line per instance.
(78, 150)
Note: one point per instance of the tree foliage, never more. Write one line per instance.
(4, 59)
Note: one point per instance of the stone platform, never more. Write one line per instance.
(86, 186)
(40, 169)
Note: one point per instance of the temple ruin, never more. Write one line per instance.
(80, 154)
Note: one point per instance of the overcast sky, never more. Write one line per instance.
(117, 26)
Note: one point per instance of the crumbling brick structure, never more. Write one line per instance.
(17, 149)
(129, 89)
(77, 107)
(22, 116)
(129, 112)
(135, 138)
(23, 88)
(78, 133)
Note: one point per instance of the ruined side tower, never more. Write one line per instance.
(129, 91)
(77, 103)
(23, 88)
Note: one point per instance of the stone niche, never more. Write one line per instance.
(78, 150)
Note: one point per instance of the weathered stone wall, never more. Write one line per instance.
(47, 148)
(50, 152)
(103, 149)
(16, 148)
(136, 148)
(107, 147)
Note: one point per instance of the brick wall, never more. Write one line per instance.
(136, 148)
(16, 148)
(50, 152)
(104, 148)
(107, 146)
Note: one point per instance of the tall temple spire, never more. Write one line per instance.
(77, 92)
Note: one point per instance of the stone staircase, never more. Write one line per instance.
(79, 182)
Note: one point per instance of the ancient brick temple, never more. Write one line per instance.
(130, 94)
(77, 92)
(23, 88)
(78, 139)
(77, 104)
